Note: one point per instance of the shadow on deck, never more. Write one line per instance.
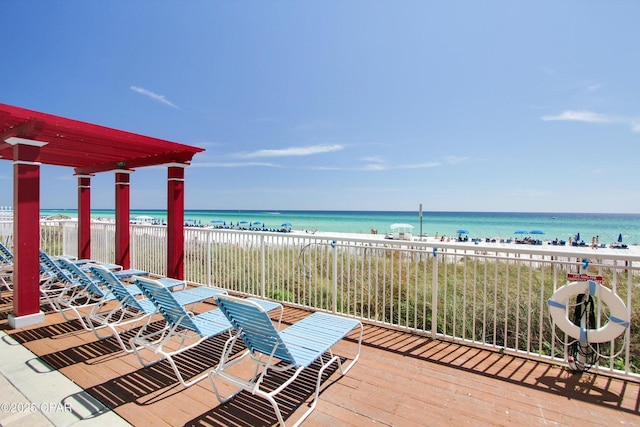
(401, 379)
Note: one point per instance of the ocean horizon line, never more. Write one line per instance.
(362, 210)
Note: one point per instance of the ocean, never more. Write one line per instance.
(608, 227)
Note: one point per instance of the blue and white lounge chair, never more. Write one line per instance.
(6, 267)
(183, 330)
(294, 348)
(56, 284)
(129, 311)
(6, 256)
(84, 264)
(84, 295)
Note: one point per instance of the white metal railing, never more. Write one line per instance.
(6, 213)
(492, 294)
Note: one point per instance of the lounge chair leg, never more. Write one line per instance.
(222, 399)
(231, 379)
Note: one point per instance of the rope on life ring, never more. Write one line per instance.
(618, 314)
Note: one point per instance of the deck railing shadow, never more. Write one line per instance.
(6, 305)
(245, 409)
(146, 386)
(583, 386)
(149, 385)
(52, 331)
(48, 331)
(91, 353)
(607, 391)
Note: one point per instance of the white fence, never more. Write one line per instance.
(489, 294)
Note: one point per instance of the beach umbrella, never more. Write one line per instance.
(620, 238)
(536, 232)
(577, 237)
(395, 226)
(216, 221)
(463, 231)
(286, 224)
(521, 232)
(256, 223)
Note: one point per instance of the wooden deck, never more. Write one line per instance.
(400, 380)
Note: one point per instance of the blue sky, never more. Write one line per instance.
(355, 105)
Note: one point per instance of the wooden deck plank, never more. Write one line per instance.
(400, 380)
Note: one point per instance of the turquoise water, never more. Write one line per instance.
(478, 224)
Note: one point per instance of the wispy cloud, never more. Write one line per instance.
(154, 96)
(234, 165)
(425, 165)
(374, 163)
(373, 167)
(592, 117)
(454, 160)
(373, 159)
(594, 87)
(578, 116)
(380, 166)
(293, 151)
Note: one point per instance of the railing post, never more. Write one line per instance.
(209, 257)
(434, 294)
(133, 238)
(263, 275)
(106, 250)
(63, 226)
(334, 302)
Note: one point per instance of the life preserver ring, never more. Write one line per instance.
(618, 314)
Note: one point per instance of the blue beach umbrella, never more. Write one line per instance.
(463, 231)
(620, 238)
(521, 232)
(536, 232)
(256, 223)
(286, 224)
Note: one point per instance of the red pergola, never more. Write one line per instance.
(31, 138)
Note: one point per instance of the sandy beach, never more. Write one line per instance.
(493, 245)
